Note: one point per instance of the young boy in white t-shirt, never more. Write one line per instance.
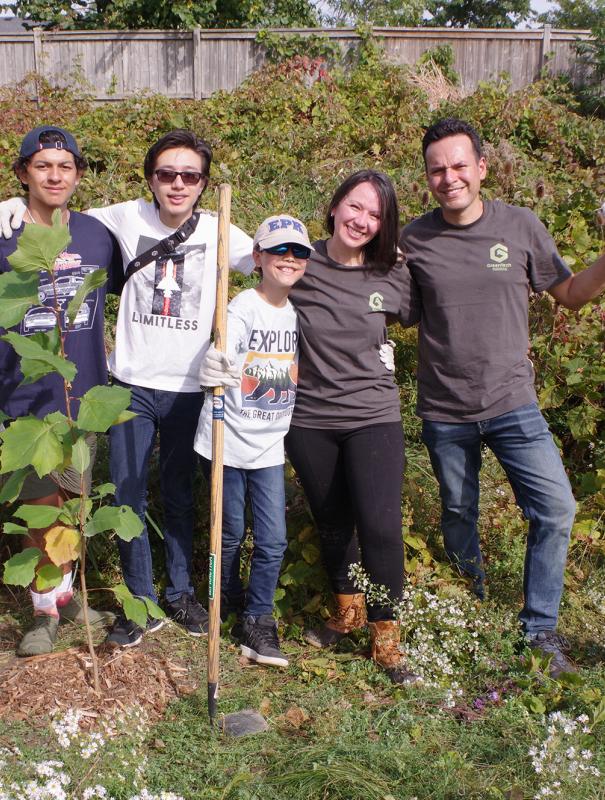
(259, 372)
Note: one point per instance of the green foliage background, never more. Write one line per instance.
(285, 140)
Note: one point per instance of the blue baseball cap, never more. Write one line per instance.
(31, 142)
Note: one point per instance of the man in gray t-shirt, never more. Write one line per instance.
(474, 263)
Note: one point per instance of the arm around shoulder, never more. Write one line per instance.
(578, 289)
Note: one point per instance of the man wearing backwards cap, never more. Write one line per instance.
(49, 167)
(162, 332)
(261, 371)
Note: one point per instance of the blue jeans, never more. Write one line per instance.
(523, 445)
(174, 416)
(265, 491)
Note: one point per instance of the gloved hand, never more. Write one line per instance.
(11, 215)
(601, 215)
(386, 352)
(217, 369)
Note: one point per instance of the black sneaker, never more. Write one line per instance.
(554, 646)
(126, 633)
(191, 615)
(260, 642)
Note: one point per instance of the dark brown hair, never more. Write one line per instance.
(381, 252)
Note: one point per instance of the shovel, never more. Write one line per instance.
(240, 723)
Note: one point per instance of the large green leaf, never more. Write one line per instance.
(21, 568)
(12, 488)
(38, 516)
(48, 577)
(18, 293)
(101, 406)
(13, 528)
(134, 609)
(153, 609)
(31, 441)
(39, 245)
(120, 519)
(91, 281)
(35, 351)
(80, 456)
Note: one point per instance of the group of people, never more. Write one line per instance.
(307, 365)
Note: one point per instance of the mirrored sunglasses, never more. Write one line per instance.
(170, 175)
(298, 250)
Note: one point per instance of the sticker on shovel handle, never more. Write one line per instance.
(218, 407)
(211, 575)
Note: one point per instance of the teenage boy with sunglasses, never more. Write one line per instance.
(260, 371)
(163, 331)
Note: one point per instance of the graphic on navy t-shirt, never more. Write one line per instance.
(69, 274)
(169, 293)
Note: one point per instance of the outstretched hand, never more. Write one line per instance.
(11, 215)
(217, 369)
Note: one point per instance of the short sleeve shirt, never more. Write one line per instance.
(262, 340)
(92, 247)
(343, 313)
(474, 282)
(167, 307)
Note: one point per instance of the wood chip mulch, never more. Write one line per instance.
(34, 687)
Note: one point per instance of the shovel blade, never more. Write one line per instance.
(243, 723)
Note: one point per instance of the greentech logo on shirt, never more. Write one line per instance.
(498, 254)
(376, 301)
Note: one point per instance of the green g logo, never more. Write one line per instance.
(498, 253)
(376, 301)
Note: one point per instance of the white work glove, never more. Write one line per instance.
(217, 369)
(601, 215)
(11, 215)
(386, 352)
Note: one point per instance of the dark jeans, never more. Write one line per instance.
(264, 490)
(523, 445)
(174, 416)
(353, 481)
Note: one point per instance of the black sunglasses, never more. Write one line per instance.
(298, 250)
(170, 175)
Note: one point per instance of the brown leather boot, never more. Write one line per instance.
(385, 640)
(350, 615)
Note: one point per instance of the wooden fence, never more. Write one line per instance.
(195, 64)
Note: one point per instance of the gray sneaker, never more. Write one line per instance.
(260, 642)
(40, 638)
(554, 646)
(73, 612)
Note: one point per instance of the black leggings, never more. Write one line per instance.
(353, 481)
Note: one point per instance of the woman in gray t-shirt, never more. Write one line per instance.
(346, 439)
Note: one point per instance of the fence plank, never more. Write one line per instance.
(195, 64)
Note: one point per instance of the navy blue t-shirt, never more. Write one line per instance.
(91, 247)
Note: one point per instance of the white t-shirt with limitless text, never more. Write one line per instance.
(263, 341)
(167, 307)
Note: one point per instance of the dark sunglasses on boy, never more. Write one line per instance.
(189, 178)
(298, 250)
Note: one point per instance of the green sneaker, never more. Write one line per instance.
(73, 612)
(40, 638)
